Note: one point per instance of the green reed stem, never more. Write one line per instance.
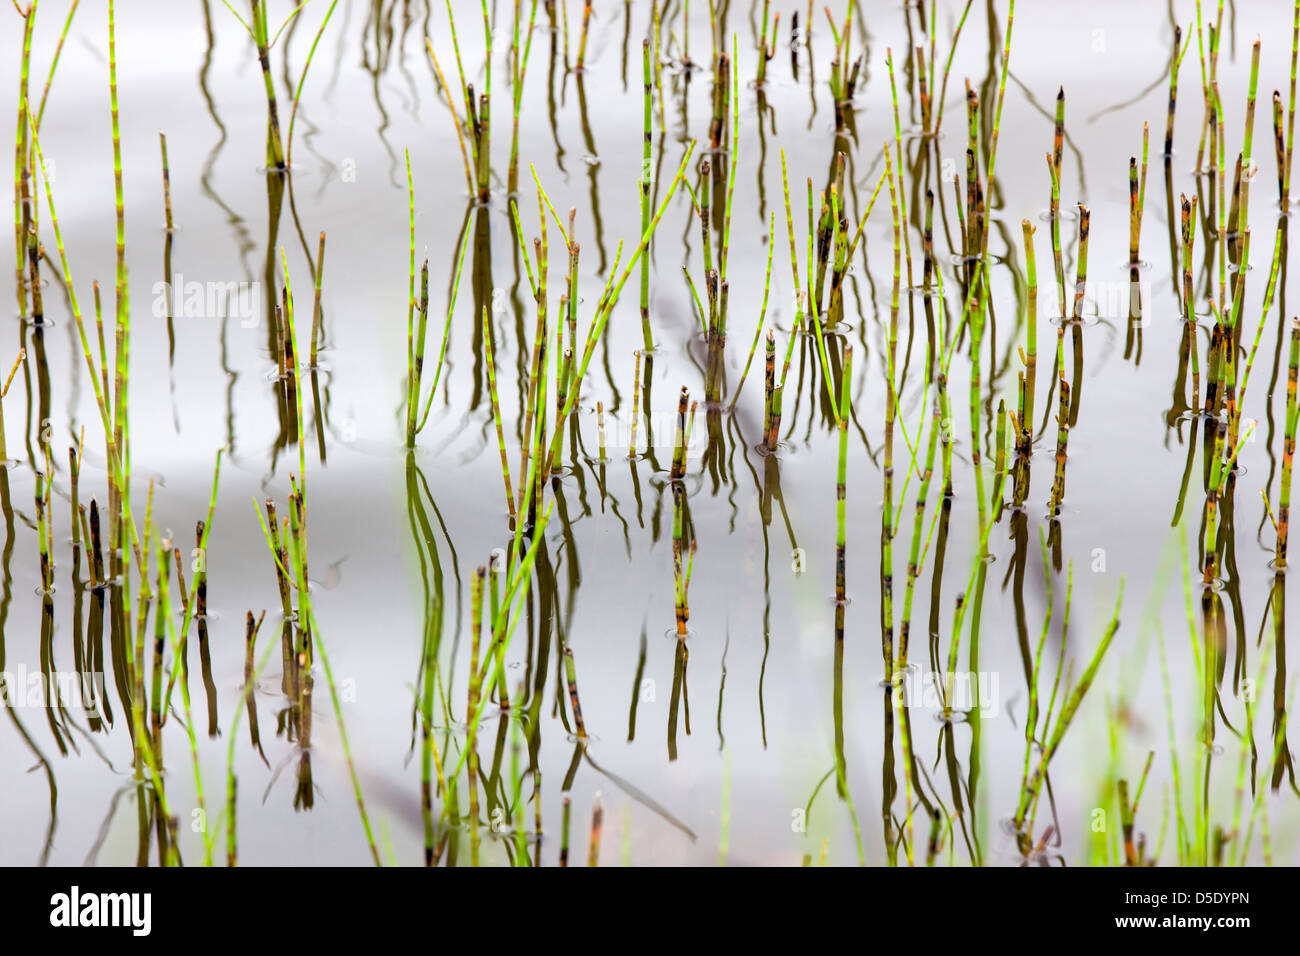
(22, 160)
(475, 684)
(246, 692)
(274, 144)
(841, 488)
(762, 312)
(517, 88)
(1029, 794)
(455, 117)
(1030, 360)
(416, 370)
(1062, 439)
(1173, 87)
(302, 79)
(644, 192)
(593, 850)
(489, 359)
(1288, 449)
(1290, 112)
(952, 50)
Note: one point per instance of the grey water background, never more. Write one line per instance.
(761, 734)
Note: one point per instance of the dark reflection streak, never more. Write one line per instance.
(284, 407)
(483, 286)
(302, 238)
(451, 547)
(338, 58)
(888, 776)
(947, 744)
(593, 165)
(92, 856)
(646, 410)
(722, 683)
(1286, 763)
(375, 69)
(574, 763)
(55, 714)
(73, 371)
(1232, 579)
(812, 74)
(627, 30)
(7, 696)
(1209, 229)
(319, 410)
(426, 548)
(168, 239)
(285, 45)
(551, 107)
(572, 565)
(761, 107)
(516, 308)
(1171, 220)
(495, 786)
(205, 657)
(936, 582)
(36, 354)
(639, 796)
(319, 413)
(243, 239)
(636, 492)
(576, 453)
(562, 650)
(910, 88)
(81, 664)
(476, 340)
(407, 21)
(1278, 365)
(680, 658)
(544, 584)
(636, 687)
(1161, 80)
(765, 490)
(254, 728)
(231, 378)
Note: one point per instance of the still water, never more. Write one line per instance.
(726, 745)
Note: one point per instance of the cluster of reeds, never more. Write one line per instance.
(559, 381)
(498, 593)
(464, 794)
(136, 548)
(279, 147)
(1135, 850)
(476, 118)
(131, 551)
(683, 536)
(501, 587)
(417, 320)
(713, 316)
(112, 406)
(1046, 736)
(834, 250)
(844, 73)
(300, 638)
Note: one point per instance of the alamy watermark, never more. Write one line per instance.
(20, 688)
(208, 300)
(958, 692)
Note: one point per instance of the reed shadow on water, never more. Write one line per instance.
(1049, 587)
